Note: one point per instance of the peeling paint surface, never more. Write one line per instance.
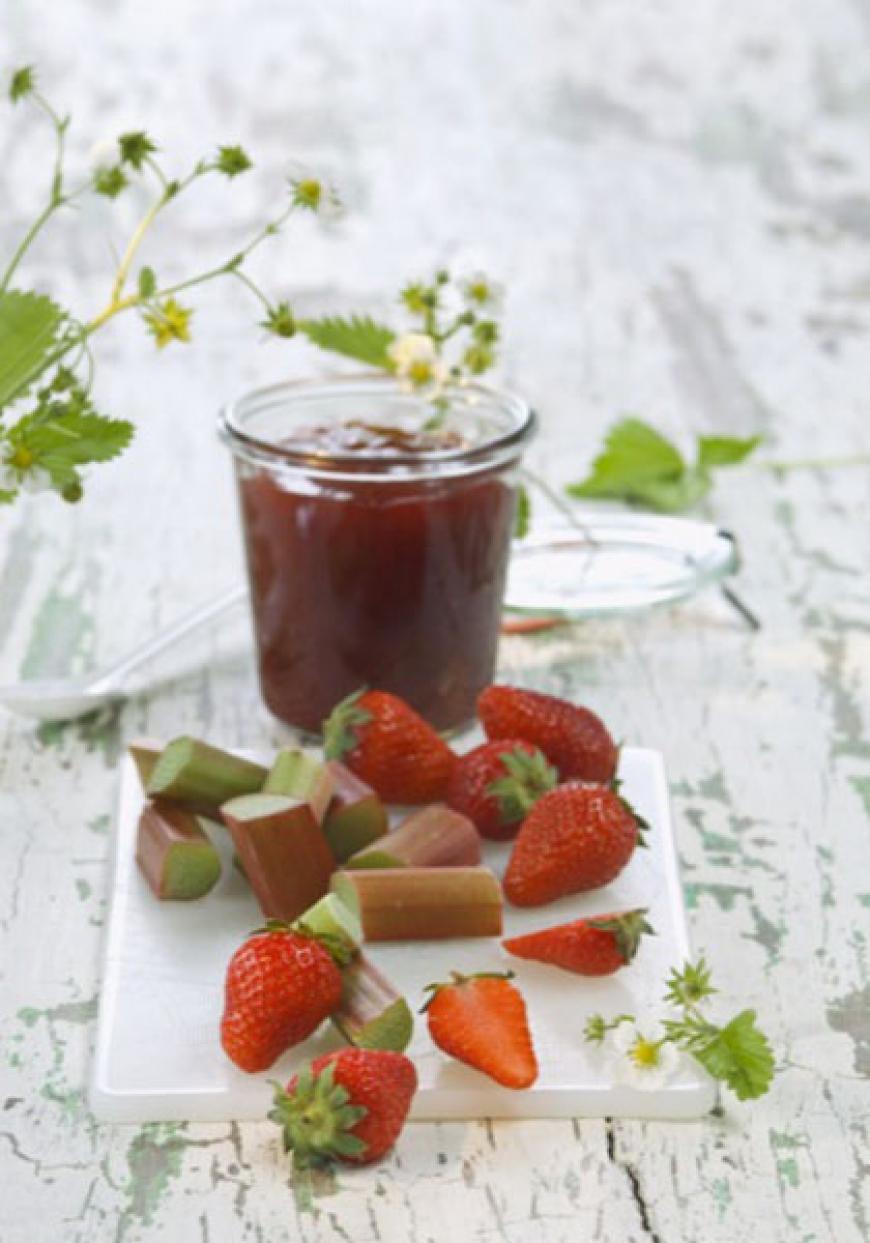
(676, 197)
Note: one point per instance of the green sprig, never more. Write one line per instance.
(737, 1054)
(640, 465)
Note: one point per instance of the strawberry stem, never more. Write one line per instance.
(339, 735)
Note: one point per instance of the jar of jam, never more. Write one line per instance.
(377, 530)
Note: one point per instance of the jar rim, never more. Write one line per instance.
(496, 449)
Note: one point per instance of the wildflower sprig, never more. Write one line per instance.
(446, 345)
(49, 429)
(738, 1053)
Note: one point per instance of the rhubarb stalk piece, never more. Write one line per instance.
(174, 854)
(145, 754)
(283, 852)
(413, 904)
(194, 773)
(334, 923)
(300, 776)
(371, 1013)
(432, 837)
(356, 815)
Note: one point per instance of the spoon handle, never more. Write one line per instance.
(118, 672)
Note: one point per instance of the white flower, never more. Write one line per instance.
(36, 480)
(415, 358)
(8, 478)
(103, 154)
(482, 293)
(642, 1059)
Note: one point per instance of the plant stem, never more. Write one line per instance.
(821, 463)
(132, 246)
(56, 198)
(25, 243)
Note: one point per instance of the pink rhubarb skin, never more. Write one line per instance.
(435, 836)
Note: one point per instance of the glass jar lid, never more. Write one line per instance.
(616, 563)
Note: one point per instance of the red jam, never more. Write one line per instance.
(390, 584)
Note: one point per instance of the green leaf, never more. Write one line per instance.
(740, 1056)
(29, 326)
(634, 455)
(641, 466)
(671, 496)
(725, 450)
(22, 82)
(523, 514)
(147, 283)
(358, 337)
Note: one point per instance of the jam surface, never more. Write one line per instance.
(394, 584)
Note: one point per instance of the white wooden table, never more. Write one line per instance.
(677, 197)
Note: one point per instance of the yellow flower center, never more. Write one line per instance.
(22, 458)
(644, 1053)
(420, 371)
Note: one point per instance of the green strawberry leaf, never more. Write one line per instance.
(358, 337)
(634, 454)
(29, 327)
(740, 1056)
(640, 465)
(725, 450)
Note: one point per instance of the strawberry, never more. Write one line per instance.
(389, 746)
(496, 785)
(596, 946)
(280, 986)
(576, 837)
(572, 738)
(481, 1020)
(350, 1105)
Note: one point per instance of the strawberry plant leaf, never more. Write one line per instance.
(29, 328)
(740, 1056)
(671, 496)
(725, 450)
(359, 337)
(640, 465)
(634, 454)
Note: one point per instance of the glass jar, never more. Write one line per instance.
(375, 568)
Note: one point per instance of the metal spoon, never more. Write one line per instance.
(64, 699)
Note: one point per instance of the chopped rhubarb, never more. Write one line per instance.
(301, 776)
(432, 837)
(283, 852)
(408, 904)
(356, 815)
(372, 1014)
(194, 773)
(333, 923)
(174, 854)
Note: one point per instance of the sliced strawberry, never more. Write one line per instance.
(593, 946)
(481, 1020)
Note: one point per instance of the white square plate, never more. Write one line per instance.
(158, 1057)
